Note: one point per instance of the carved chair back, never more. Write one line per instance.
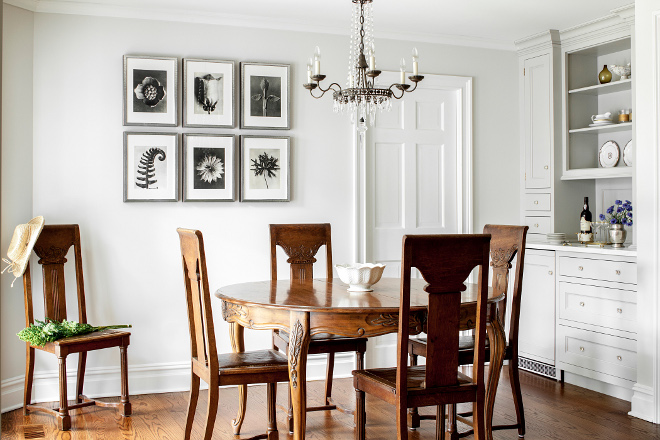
(51, 247)
(507, 242)
(198, 299)
(300, 242)
(445, 262)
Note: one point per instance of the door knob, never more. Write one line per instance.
(580, 268)
(549, 272)
(545, 167)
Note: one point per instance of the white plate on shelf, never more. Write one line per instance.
(600, 123)
(608, 155)
(628, 153)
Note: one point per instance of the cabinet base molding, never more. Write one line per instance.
(623, 391)
(537, 367)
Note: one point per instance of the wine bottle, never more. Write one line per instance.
(585, 218)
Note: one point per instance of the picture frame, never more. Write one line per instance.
(209, 167)
(208, 93)
(265, 168)
(151, 167)
(151, 87)
(265, 96)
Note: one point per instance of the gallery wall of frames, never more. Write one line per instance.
(205, 166)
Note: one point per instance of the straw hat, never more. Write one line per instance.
(20, 248)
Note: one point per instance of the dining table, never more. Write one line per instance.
(304, 308)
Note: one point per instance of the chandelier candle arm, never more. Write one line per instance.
(415, 58)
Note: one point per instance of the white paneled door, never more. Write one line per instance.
(414, 171)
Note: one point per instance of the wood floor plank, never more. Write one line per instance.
(553, 411)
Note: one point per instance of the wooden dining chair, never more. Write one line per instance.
(444, 261)
(51, 247)
(301, 242)
(263, 366)
(506, 243)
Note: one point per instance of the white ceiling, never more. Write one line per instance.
(490, 23)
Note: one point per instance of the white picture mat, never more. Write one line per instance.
(193, 141)
(259, 143)
(226, 68)
(265, 121)
(168, 65)
(168, 143)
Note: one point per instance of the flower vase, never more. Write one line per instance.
(605, 75)
(617, 235)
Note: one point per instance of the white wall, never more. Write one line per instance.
(16, 173)
(131, 251)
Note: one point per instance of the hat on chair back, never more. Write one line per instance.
(20, 248)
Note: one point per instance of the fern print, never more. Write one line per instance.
(146, 169)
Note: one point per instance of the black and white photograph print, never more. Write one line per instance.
(151, 167)
(265, 96)
(150, 91)
(265, 168)
(208, 168)
(208, 94)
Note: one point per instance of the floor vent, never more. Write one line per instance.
(33, 431)
(537, 367)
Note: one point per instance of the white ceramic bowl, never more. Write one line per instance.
(360, 277)
(622, 71)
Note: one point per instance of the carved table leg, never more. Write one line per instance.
(238, 346)
(298, 347)
(497, 341)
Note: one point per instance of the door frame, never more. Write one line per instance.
(464, 188)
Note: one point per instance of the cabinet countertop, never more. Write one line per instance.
(627, 251)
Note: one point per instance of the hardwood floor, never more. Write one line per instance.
(552, 411)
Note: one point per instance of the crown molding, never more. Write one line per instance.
(541, 42)
(189, 16)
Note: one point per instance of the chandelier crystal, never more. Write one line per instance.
(362, 95)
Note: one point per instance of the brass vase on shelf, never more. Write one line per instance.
(605, 75)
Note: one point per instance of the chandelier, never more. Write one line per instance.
(362, 95)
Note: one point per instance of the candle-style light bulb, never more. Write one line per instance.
(317, 61)
(415, 58)
(403, 71)
(309, 71)
(372, 57)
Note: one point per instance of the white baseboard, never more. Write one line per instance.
(642, 403)
(618, 391)
(142, 379)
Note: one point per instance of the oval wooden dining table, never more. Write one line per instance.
(309, 307)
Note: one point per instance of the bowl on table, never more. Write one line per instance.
(360, 277)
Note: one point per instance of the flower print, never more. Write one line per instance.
(210, 169)
(149, 91)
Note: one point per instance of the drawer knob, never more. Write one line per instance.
(580, 268)
(581, 303)
(619, 310)
(581, 348)
(549, 272)
(618, 358)
(536, 225)
(618, 272)
(536, 202)
(545, 167)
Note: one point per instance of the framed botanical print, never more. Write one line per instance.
(151, 167)
(150, 91)
(208, 93)
(265, 169)
(209, 171)
(265, 96)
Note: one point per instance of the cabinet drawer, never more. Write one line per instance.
(598, 352)
(603, 306)
(617, 271)
(538, 225)
(536, 202)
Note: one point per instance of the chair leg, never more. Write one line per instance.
(359, 365)
(63, 418)
(514, 378)
(29, 376)
(401, 422)
(479, 419)
(271, 394)
(440, 423)
(452, 428)
(126, 404)
(289, 416)
(360, 415)
(211, 410)
(328, 377)
(80, 376)
(413, 413)
(192, 405)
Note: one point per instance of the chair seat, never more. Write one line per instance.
(88, 342)
(385, 380)
(255, 362)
